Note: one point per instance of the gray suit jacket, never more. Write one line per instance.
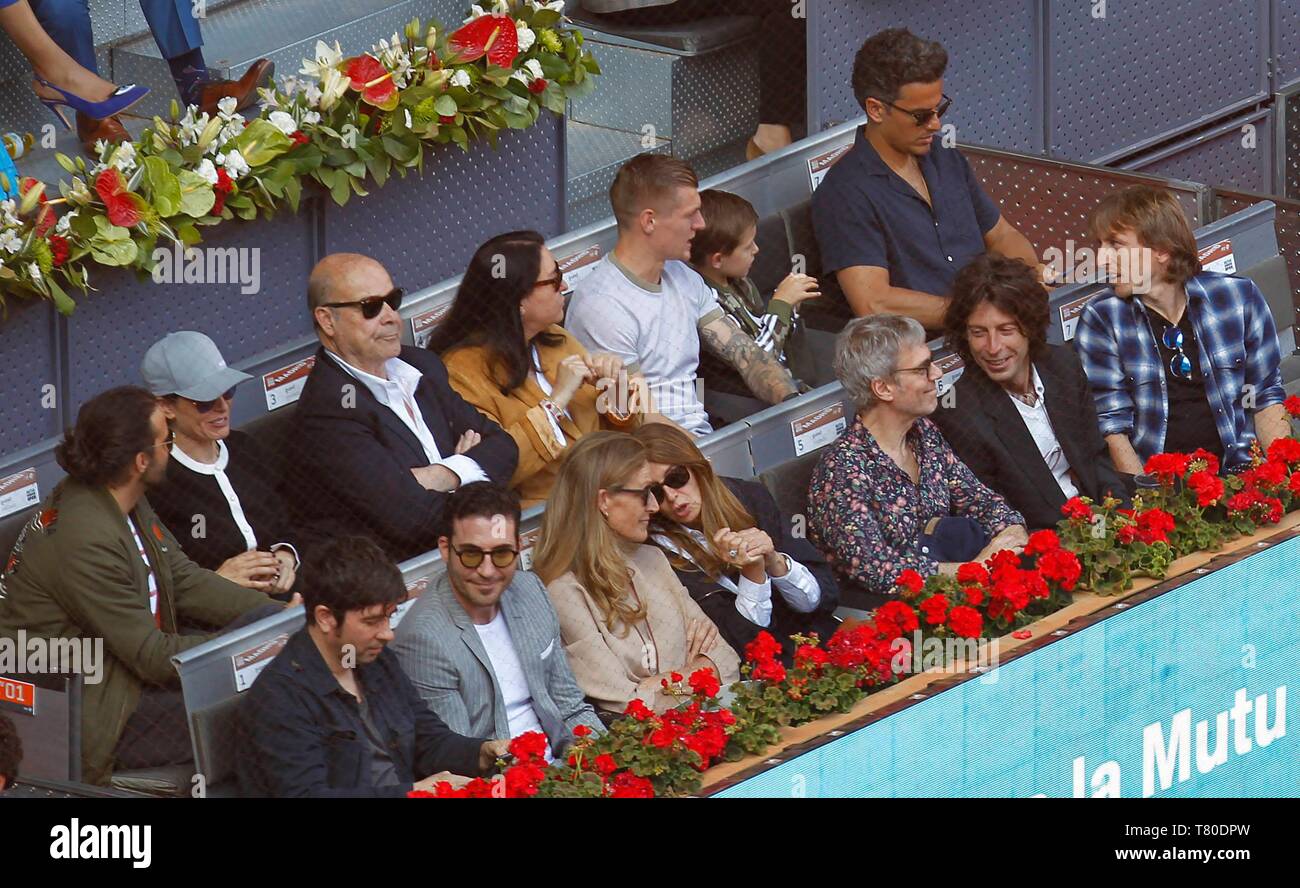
(440, 651)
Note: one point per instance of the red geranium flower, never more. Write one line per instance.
(808, 656)
(638, 710)
(627, 785)
(1154, 526)
(604, 764)
(705, 683)
(369, 77)
(299, 138)
(965, 622)
(1285, 450)
(492, 35)
(974, 595)
(911, 582)
(763, 647)
(894, 619)
(522, 779)
(1266, 475)
(581, 731)
(221, 189)
(59, 249)
(1168, 466)
(708, 743)
(768, 670)
(1076, 509)
(537, 86)
(123, 206)
(1292, 405)
(1207, 487)
(1294, 483)
(531, 745)
(1042, 541)
(1211, 461)
(972, 574)
(1126, 534)
(662, 738)
(934, 609)
(1061, 567)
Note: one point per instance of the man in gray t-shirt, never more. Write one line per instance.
(643, 303)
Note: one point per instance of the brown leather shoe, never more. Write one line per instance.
(244, 90)
(90, 131)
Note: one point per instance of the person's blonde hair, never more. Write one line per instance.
(1156, 219)
(719, 507)
(648, 180)
(575, 536)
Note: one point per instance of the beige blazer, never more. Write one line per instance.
(611, 670)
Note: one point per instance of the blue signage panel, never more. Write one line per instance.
(1183, 695)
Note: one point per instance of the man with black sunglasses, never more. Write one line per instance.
(382, 437)
(482, 645)
(1179, 359)
(901, 213)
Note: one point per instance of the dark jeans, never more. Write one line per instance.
(782, 51)
(158, 732)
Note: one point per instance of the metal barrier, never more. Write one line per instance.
(1286, 225)
(46, 712)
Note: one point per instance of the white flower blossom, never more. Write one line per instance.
(283, 122)
(310, 117)
(461, 79)
(10, 242)
(475, 11)
(553, 5)
(534, 67)
(64, 225)
(8, 210)
(333, 86)
(226, 107)
(325, 60)
(34, 270)
(526, 36)
(409, 122)
(100, 147)
(312, 95)
(208, 171)
(124, 157)
(235, 164)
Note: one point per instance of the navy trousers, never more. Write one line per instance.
(68, 24)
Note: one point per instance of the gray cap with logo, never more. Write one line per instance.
(188, 364)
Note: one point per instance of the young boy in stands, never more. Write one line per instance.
(900, 213)
(1192, 359)
(334, 716)
(643, 303)
(723, 253)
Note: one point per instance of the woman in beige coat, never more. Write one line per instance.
(626, 620)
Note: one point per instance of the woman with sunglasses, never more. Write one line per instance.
(728, 543)
(627, 622)
(507, 354)
(218, 498)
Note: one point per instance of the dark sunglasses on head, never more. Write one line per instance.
(923, 115)
(371, 306)
(472, 556)
(207, 406)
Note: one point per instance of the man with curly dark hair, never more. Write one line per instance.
(901, 212)
(1022, 415)
(11, 752)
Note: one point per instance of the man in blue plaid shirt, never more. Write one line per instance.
(1190, 361)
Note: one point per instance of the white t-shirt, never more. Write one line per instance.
(652, 327)
(1040, 428)
(153, 581)
(501, 651)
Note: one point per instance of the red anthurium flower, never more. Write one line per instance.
(121, 204)
(493, 36)
(375, 83)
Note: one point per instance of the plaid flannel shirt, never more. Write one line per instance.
(1239, 356)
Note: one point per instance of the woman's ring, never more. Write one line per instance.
(732, 553)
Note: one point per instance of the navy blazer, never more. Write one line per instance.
(351, 469)
(300, 733)
(990, 436)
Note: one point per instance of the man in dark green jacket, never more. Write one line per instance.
(96, 563)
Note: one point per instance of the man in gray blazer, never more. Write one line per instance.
(482, 644)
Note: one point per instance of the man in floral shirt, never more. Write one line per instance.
(890, 494)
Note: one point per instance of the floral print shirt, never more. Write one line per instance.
(865, 513)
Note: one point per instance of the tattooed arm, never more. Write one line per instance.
(764, 375)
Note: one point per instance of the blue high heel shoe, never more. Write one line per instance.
(121, 99)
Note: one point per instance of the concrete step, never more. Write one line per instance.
(284, 31)
(594, 155)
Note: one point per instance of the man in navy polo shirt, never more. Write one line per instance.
(899, 215)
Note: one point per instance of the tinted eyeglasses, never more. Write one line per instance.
(557, 282)
(472, 556)
(166, 442)
(676, 478)
(371, 306)
(1180, 365)
(208, 406)
(924, 115)
(920, 368)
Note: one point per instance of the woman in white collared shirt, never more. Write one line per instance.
(220, 497)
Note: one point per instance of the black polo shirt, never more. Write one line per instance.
(865, 214)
